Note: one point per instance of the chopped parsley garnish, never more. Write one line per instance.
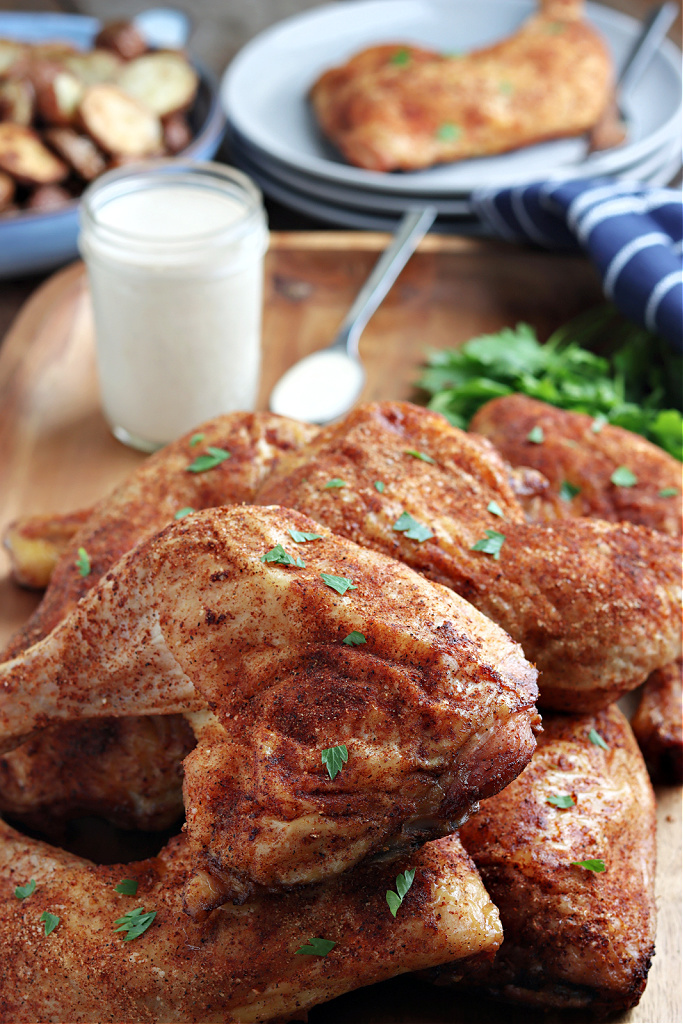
(598, 423)
(182, 512)
(668, 492)
(50, 921)
(403, 883)
(623, 477)
(491, 544)
(212, 458)
(448, 132)
(354, 639)
(591, 864)
(334, 483)
(568, 491)
(536, 435)
(135, 922)
(554, 28)
(561, 800)
(316, 947)
(494, 508)
(401, 57)
(419, 455)
(196, 439)
(22, 891)
(299, 537)
(339, 583)
(597, 739)
(379, 486)
(83, 562)
(333, 758)
(127, 887)
(282, 557)
(507, 88)
(412, 528)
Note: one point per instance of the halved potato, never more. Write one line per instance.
(12, 54)
(122, 38)
(48, 198)
(17, 101)
(118, 123)
(94, 67)
(58, 93)
(164, 81)
(79, 151)
(7, 189)
(24, 156)
(177, 132)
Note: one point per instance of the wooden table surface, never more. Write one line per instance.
(58, 455)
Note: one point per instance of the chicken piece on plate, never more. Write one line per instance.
(401, 107)
(81, 769)
(241, 964)
(574, 937)
(296, 648)
(595, 605)
(579, 456)
(658, 727)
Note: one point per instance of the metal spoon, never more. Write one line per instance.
(323, 386)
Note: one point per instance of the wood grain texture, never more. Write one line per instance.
(56, 454)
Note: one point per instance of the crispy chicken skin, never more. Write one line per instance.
(658, 727)
(573, 938)
(436, 708)
(128, 772)
(240, 964)
(400, 107)
(595, 605)
(573, 452)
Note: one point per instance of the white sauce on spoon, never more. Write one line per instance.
(319, 388)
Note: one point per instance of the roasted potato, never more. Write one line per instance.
(118, 123)
(17, 101)
(58, 93)
(122, 38)
(79, 151)
(177, 132)
(164, 82)
(23, 155)
(94, 67)
(7, 190)
(48, 198)
(12, 54)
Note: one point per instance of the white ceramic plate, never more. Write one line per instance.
(254, 161)
(264, 90)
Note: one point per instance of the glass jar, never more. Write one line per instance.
(174, 252)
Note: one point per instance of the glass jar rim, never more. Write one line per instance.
(150, 174)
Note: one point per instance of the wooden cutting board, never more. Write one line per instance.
(56, 454)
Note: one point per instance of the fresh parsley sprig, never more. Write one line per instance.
(127, 887)
(491, 544)
(636, 385)
(354, 639)
(279, 556)
(135, 922)
(333, 758)
(403, 883)
(592, 864)
(412, 529)
(83, 563)
(22, 892)
(212, 458)
(316, 947)
(339, 583)
(561, 800)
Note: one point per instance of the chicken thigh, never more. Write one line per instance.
(298, 647)
(574, 937)
(597, 606)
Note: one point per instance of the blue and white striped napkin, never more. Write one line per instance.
(632, 233)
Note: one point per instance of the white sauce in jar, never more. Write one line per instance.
(175, 262)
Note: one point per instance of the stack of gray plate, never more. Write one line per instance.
(274, 137)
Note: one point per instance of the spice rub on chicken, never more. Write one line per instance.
(401, 107)
(297, 641)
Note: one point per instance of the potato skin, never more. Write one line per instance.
(122, 38)
(23, 155)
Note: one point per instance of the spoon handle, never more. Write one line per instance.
(412, 228)
(654, 30)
